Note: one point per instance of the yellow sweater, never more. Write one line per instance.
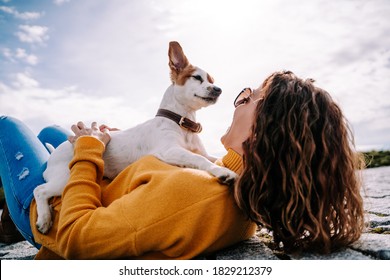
(151, 210)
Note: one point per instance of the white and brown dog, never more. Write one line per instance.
(171, 136)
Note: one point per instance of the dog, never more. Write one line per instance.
(171, 136)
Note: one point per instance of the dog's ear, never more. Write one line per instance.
(177, 60)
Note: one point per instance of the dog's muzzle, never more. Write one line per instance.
(213, 94)
(215, 91)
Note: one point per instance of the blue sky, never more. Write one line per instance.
(64, 60)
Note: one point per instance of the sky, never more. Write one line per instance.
(62, 61)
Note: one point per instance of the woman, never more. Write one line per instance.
(288, 141)
(299, 177)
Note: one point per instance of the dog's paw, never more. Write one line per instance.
(44, 222)
(224, 175)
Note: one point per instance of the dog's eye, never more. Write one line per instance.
(198, 78)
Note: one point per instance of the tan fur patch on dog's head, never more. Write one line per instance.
(210, 79)
(179, 78)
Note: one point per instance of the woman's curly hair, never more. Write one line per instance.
(300, 169)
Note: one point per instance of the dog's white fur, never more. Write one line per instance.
(159, 136)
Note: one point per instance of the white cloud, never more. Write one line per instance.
(32, 33)
(7, 53)
(25, 81)
(60, 2)
(8, 10)
(20, 55)
(38, 106)
(28, 15)
(28, 58)
(19, 15)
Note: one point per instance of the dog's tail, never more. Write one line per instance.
(49, 147)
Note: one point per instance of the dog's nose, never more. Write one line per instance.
(216, 91)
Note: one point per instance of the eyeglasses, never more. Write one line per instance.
(244, 96)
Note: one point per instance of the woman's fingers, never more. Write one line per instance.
(94, 125)
(75, 129)
(81, 125)
(80, 129)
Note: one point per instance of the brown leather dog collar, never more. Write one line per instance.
(180, 120)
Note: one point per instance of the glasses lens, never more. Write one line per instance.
(242, 97)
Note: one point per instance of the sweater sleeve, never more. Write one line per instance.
(232, 160)
(83, 222)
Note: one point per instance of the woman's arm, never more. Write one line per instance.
(86, 230)
(84, 226)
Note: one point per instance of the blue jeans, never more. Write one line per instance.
(23, 158)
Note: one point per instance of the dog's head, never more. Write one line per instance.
(194, 86)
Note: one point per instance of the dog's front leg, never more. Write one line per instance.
(200, 149)
(206, 155)
(184, 158)
(211, 158)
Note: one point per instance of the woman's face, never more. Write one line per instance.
(243, 118)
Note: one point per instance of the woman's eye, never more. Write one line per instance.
(198, 78)
(244, 100)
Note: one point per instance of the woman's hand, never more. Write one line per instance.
(103, 127)
(82, 130)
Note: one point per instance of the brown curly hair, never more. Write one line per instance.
(300, 168)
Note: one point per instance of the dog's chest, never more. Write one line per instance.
(191, 141)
